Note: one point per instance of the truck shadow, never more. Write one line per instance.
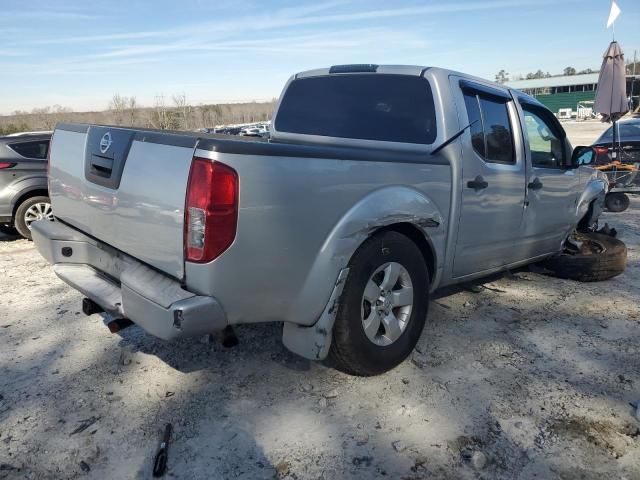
(195, 354)
(8, 235)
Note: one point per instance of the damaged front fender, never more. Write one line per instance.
(591, 203)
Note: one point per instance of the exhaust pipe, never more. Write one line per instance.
(118, 324)
(89, 307)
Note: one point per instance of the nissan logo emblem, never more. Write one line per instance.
(105, 142)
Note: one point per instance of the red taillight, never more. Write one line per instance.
(4, 165)
(211, 210)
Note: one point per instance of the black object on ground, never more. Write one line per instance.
(595, 257)
(84, 424)
(160, 462)
(229, 338)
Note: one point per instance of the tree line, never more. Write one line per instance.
(174, 113)
(632, 68)
(503, 76)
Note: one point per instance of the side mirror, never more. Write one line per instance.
(583, 156)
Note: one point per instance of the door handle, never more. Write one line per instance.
(477, 183)
(535, 185)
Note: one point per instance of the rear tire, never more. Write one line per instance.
(33, 208)
(379, 349)
(616, 202)
(592, 267)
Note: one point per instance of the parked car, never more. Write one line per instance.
(623, 179)
(380, 184)
(257, 131)
(24, 196)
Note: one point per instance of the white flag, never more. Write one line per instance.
(613, 13)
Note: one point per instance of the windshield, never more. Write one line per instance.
(624, 130)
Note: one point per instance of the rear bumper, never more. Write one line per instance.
(125, 287)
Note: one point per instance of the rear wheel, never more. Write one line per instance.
(30, 210)
(383, 306)
(616, 202)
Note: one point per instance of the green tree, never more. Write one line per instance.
(502, 76)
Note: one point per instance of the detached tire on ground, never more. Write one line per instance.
(603, 258)
(616, 202)
(30, 210)
(383, 307)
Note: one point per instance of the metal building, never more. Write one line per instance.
(558, 93)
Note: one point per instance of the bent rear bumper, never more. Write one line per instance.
(125, 287)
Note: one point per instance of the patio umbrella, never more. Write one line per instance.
(611, 95)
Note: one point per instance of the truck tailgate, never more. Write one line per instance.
(125, 188)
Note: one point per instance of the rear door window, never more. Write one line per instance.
(390, 108)
(31, 149)
(491, 132)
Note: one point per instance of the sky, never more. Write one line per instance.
(78, 54)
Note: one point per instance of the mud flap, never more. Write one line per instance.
(313, 342)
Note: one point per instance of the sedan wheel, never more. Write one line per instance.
(38, 211)
(31, 210)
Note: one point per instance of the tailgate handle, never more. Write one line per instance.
(101, 166)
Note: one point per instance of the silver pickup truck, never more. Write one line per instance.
(379, 184)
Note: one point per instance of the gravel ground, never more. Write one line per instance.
(584, 132)
(532, 377)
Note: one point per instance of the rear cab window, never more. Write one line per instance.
(36, 149)
(381, 107)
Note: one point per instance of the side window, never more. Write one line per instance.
(31, 149)
(544, 142)
(491, 133)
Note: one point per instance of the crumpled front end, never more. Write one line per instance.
(591, 202)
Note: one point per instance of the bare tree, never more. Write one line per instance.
(132, 110)
(183, 110)
(118, 106)
(163, 117)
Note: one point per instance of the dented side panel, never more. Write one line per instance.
(300, 221)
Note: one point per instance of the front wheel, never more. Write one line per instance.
(600, 257)
(616, 202)
(383, 307)
(32, 209)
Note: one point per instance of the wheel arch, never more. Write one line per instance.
(398, 208)
(25, 195)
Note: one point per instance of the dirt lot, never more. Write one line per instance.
(532, 377)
